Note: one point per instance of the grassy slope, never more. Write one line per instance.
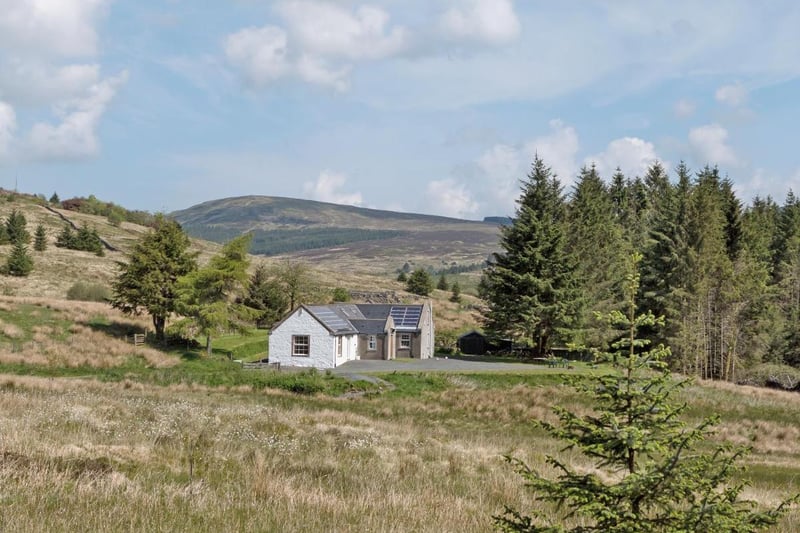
(57, 269)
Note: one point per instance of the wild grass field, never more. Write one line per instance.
(109, 438)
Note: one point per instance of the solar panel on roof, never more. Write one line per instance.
(331, 319)
(405, 316)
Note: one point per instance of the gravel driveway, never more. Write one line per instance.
(435, 364)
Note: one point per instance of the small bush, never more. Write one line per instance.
(340, 294)
(88, 292)
(771, 375)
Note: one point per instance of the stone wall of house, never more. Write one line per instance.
(322, 343)
(427, 334)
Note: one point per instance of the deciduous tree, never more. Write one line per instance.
(208, 296)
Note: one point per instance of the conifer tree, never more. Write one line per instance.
(665, 267)
(441, 284)
(455, 292)
(787, 278)
(420, 282)
(618, 191)
(653, 475)
(266, 296)
(19, 261)
(16, 228)
(54, 199)
(66, 238)
(597, 246)
(40, 239)
(88, 240)
(529, 287)
(147, 282)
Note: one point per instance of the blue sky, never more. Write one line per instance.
(433, 106)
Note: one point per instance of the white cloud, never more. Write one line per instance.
(503, 166)
(260, 53)
(631, 154)
(75, 137)
(449, 198)
(326, 189)
(488, 21)
(558, 150)
(318, 37)
(63, 28)
(326, 29)
(733, 95)
(314, 70)
(765, 183)
(262, 56)
(709, 145)
(8, 125)
(33, 82)
(683, 108)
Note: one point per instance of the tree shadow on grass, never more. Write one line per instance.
(112, 328)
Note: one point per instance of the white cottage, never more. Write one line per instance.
(325, 336)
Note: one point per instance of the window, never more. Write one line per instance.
(405, 340)
(339, 346)
(301, 345)
(372, 343)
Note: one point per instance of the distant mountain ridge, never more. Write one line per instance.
(325, 231)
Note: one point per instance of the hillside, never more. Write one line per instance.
(57, 269)
(343, 238)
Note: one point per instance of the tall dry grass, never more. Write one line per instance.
(82, 455)
(73, 339)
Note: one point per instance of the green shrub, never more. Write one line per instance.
(88, 292)
(340, 294)
(771, 375)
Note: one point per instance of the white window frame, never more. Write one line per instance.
(372, 343)
(301, 346)
(405, 341)
(339, 345)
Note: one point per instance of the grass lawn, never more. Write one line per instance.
(249, 347)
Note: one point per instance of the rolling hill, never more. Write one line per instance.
(344, 238)
(58, 269)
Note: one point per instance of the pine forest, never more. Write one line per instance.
(725, 273)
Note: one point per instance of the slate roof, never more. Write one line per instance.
(367, 319)
(369, 327)
(332, 318)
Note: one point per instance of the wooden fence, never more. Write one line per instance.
(138, 339)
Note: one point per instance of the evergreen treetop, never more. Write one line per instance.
(419, 282)
(19, 262)
(40, 239)
(654, 479)
(530, 286)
